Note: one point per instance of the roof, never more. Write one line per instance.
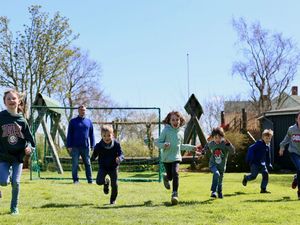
(52, 104)
(237, 106)
(280, 112)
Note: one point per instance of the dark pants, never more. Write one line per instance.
(172, 170)
(113, 174)
(255, 170)
(296, 161)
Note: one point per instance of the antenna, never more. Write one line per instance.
(188, 74)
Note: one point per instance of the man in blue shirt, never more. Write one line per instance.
(80, 131)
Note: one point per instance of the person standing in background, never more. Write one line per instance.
(80, 132)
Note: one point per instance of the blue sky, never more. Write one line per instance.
(142, 45)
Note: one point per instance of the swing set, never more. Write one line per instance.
(49, 114)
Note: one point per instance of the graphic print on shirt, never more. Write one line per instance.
(218, 156)
(12, 131)
(296, 138)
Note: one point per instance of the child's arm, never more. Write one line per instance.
(229, 146)
(161, 141)
(95, 153)
(120, 155)
(188, 148)
(283, 143)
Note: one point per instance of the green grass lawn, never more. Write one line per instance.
(60, 202)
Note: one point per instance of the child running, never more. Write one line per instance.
(15, 141)
(292, 138)
(171, 143)
(258, 157)
(219, 149)
(109, 154)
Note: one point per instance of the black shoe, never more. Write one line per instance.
(213, 194)
(106, 186)
(298, 194)
(174, 198)
(264, 191)
(295, 182)
(220, 195)
(244, 182)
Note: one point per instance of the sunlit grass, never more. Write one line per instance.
(61, 202)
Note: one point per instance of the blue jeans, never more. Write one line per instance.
(255, 170)
(15, 180)
(217, 180)
(85, 155)
(296, 161)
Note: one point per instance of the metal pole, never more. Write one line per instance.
(188, 73)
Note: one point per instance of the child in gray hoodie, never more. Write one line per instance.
(292, 138)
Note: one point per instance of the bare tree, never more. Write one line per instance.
(270, 63)
(211, 117)
(36, 59)
(81, 83)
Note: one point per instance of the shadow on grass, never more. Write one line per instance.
(235, 194)
(186, 203)
(55, 205)
(283, 199)
(142, 175)
(109, 206)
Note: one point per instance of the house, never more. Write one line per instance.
(279, 120)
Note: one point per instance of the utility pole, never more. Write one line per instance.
(188, 74)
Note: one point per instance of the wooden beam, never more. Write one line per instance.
(53, 148)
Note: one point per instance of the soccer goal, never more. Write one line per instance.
(136, 128)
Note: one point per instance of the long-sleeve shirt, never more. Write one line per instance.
(293, 139)
(175, 137)
(218, 154)
(107, 154)
(80, 130)
(259, 153)
(15, 136)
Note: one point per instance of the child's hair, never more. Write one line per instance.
(20, 96)
(178, 114)
(217, 131)
(267, 132)
(106, 128)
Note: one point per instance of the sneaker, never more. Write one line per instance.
(106, 186)
(76, 182)
(166, 182)
(295, 182)
(14, 211)
(0, 194)
(298, 194)
(220, 195)
(174, 198)
(244, 182)
(112, 202)
(213, 194)
(264, 191)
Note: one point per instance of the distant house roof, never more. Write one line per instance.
(52, 104)
(237, 106)
(289, 101)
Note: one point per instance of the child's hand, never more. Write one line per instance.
(281, 151)
(118, 160)
(166, 144)
(27, 150)
(227, 142)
